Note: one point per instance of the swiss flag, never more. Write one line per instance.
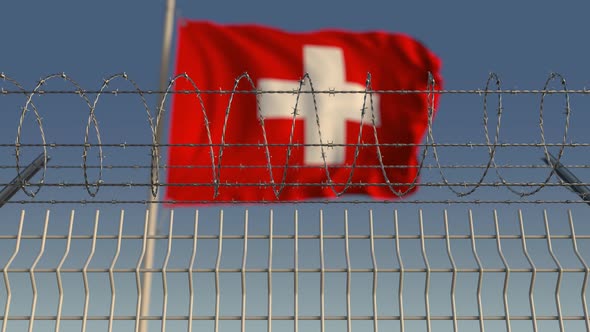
(287, 146)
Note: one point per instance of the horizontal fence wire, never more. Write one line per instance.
(105, 167)
(380, 270)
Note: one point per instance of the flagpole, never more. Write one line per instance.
(153, 205)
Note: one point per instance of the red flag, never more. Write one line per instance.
(235, 147)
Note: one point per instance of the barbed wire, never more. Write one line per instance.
(262, 201)
(427, 166)
(492, 89)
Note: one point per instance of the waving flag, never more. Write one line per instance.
(285, 142)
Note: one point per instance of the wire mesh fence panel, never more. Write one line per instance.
(490, 240)
(316, 271)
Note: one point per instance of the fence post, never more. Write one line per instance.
(153, 205)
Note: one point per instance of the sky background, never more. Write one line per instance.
(523, 42)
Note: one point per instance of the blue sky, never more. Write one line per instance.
(521, 41)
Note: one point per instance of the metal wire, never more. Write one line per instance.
(191, 271)
(85, 273)
(322, 276)
(431, 148)
(164, 275)
(296, 271)
(112, 274)
(401, 274)
(454, 268)
(138, 268)
(243, 272)
(58, 273)
(270, 269)
(5, 273)
(348, 273)
(217, 271)
(427, 279)
(506, 276)
(480, 272)
(311, 201)
(533, 273)
(375, 271)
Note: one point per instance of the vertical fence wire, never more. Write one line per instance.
(375, 270)
(296, 271)
(427, 279)
(269, 284)
(58, 273)
(454, 273)
(164, 274)
(506, 273)
(85, 272)
(322, 276)
(348, 273)
(138, 273)
(559, 273)
(32, 272)
(533, 272)
(480, 272)
(191, 271)
(112, 273)
(5, 271)
(217, 268)
(243, 273)
(401, 273)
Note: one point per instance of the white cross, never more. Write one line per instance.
(325, 66)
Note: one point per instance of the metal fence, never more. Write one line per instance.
(310, 275)
(491, 240)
